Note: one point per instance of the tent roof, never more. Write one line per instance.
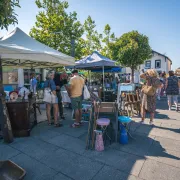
(94, 60)
(19, 49)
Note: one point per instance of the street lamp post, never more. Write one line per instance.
(72, 44)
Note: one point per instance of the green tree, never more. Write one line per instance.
(108, 38)
(93, 38)
(131, 50)
(7, 13)
(55, 27)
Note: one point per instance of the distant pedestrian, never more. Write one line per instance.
(148, 103)
(33, 84)
(172, 89)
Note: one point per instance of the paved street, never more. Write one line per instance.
(59, 153)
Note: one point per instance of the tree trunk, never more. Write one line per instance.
(5, 121)
(132, 75)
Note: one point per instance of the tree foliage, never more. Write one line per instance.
(108, 38)
(55, 27)
(7, 13)
(131, 50)
(92, 41)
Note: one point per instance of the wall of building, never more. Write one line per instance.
(169, 65)
(153, 60)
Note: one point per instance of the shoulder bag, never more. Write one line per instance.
(149, 90)
(49, 96)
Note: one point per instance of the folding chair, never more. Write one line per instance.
(104, 123)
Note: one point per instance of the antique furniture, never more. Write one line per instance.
(22, 115)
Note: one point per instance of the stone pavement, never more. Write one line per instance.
(59, 153)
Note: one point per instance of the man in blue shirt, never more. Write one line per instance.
(33, 84)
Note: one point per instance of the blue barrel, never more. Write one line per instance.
(123, 135)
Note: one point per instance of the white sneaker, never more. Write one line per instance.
(159, 98)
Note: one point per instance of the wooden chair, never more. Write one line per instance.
(104, 107)
(128, 105)
(133, 104)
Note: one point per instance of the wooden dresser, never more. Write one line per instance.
(22, 115)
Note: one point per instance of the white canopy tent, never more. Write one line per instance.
(17, 49)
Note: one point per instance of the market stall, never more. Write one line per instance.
(19, 50)
(98, 63)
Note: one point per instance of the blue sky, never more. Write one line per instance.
(158, 19)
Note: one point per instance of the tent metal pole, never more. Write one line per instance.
(103, 85)
(5, 121)
(90, 78)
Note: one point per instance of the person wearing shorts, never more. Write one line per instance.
(49, 83)
(172, 89)
(75, 88)
(174, 98)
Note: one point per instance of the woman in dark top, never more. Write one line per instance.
(172, 89)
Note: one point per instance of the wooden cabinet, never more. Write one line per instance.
(22, 116)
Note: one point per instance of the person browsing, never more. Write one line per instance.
(49, 83)
(75, 89)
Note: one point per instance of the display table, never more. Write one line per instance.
(22, 116)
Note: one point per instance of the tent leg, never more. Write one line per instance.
(103, 86)
(4, 120)
(90, 78)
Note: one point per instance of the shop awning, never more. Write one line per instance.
(17, 49)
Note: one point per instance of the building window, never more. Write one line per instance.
(157, 64)
(148, 65)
